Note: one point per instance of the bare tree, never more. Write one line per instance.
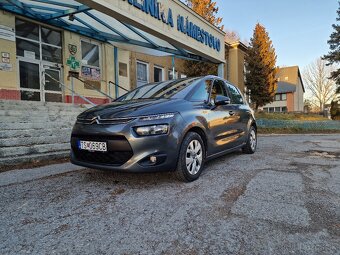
(316, 78)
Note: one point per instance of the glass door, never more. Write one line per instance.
(29, 81)
(51, 89)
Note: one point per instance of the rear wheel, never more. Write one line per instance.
(251, 144)
(191, 158)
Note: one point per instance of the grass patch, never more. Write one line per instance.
(290, 116)
(295, 130)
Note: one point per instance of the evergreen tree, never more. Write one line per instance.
(333, 57)
(208, 10)
(261, 68)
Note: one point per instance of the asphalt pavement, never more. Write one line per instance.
(284, 199)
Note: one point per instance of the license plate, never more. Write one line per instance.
(92, 146)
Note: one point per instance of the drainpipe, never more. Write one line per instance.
(115, 51)
(173, 67)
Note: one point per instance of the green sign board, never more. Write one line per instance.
(73, 63)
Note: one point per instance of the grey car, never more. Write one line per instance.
(173, 125)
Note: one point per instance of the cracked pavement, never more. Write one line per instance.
(284, 199)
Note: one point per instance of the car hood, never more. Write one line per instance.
(132, 108)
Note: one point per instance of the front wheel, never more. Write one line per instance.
(191, 158)
(251, 144)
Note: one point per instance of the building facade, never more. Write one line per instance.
(289, 93)
(37, 57)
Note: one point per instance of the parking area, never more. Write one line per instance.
(284, 199)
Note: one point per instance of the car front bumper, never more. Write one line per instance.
(127, 151)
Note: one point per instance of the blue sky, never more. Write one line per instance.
(299, 29)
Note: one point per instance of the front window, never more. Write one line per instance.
(167, 89)
(235, 95)
(281, 97)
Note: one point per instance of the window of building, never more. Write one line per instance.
(158, 74)
(142, 73)
(123, 69)
(284, 109)
(235, 95)
(90, 54)
(280, 97)
(277, 109)
(202, 92)
(265, 109)
(171, 76)
(39, 50)
(271, 109)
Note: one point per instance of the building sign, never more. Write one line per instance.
(90, 73)
(6, 67)
(7, 33)
(157, 10)
(72, 49)
(168, 20)
(5, 57)
(73, 63)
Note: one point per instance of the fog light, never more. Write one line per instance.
(153, 159)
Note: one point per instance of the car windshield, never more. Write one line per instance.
(167, 89)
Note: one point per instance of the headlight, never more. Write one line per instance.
(152, 130)
(158, 116)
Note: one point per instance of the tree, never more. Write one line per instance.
(333, 56)
(261, 68)
(208, 10)
(316, 78)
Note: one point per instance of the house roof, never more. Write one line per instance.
(293, 74)
(285, 87)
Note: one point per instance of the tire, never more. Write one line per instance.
(251, 144)
(192, 150)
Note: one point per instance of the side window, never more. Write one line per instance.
(235, 95)
(218, 89)
(202, 91)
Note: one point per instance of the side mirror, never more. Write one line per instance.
(222, 100)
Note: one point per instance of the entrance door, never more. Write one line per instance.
(29, 79)
(52, 90)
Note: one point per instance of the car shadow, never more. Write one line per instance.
(152, 178)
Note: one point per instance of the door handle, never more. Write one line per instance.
(231, 113)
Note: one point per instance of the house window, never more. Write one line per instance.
(277, 109)
(142, 73)
(284, 109)
(123, 69)
(158, 74)
(90, 54)
(171, 76)
(280, 97)
(271, 109)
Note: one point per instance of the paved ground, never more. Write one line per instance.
(285, 199)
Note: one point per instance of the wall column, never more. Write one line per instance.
(221, 70)
(115, 50)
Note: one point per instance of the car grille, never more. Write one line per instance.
(100, 121)
(119, 150)
(115, 158)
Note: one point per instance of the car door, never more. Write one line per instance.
(222, 120)
(240, 114)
